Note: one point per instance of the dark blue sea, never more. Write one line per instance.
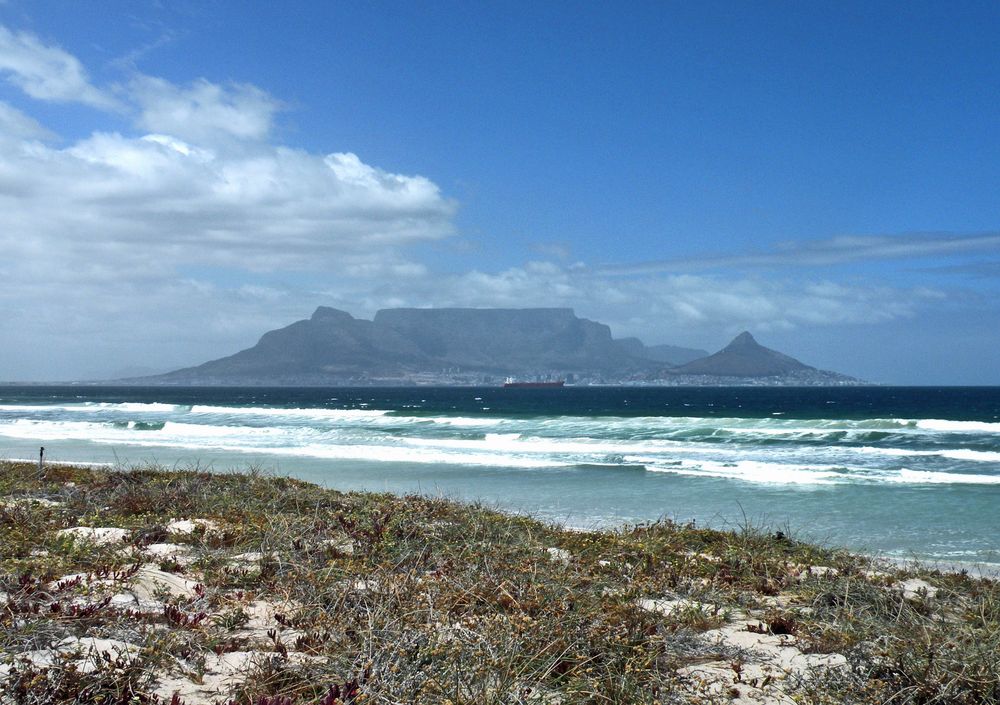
(904, 472)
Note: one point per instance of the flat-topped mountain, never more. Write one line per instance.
(403, 346)
(505, 340)
(446, 345)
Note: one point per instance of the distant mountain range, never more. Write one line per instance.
(407, 346)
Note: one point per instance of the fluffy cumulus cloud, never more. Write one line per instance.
(203, 110)
(159, 200)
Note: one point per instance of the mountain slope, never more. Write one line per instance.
(744, 357)
(480, 346)
(666, 354)
(333, 347)
(331, 342)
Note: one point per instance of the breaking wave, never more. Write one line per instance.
(769, 451)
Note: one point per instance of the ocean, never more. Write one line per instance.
(901, 472)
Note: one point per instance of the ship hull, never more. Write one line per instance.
(533, 385)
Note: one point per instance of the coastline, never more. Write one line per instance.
(985, 569)
(981, 569)
(165, 582)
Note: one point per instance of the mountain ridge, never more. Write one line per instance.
(404, 346)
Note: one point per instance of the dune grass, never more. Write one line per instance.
(383, 599)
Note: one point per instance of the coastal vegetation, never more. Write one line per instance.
(148, 585)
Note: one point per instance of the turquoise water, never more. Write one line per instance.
(906, 472)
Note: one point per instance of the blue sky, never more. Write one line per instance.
(178, 177)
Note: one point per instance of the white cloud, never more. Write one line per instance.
(47, 72)
(156, 196)
(203, 110)
(681, 309)
(16, 125)
(843, 249)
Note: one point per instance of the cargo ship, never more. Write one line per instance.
(509, 383)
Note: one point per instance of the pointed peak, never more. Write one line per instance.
(744, 357)
(743, 340)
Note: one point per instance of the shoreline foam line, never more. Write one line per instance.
(71, 463)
